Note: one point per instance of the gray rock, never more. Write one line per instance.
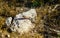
(8, 21)
(22, 22)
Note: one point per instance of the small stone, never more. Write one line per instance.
(21, 9)
(7, 36)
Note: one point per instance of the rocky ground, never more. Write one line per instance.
(46, 24)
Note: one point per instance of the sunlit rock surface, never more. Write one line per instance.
(8, 21)
(22, 23)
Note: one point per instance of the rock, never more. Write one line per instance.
(19, 16)
(30, 14)
(22, 22)
(22, 25)
(8, 21)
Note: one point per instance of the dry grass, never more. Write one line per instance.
(6, 11)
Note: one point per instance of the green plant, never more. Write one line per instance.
(36, 3)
